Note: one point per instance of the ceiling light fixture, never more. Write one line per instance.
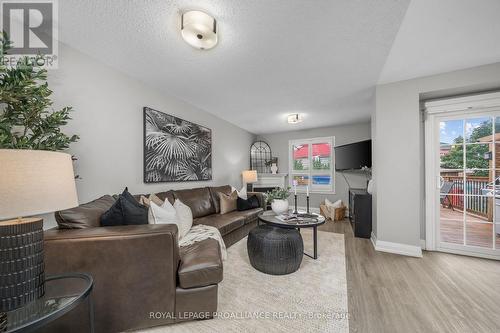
(199, 29)
(294, 118)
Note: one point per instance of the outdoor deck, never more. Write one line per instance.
(479, 230)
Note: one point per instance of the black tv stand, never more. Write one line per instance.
(360, 212)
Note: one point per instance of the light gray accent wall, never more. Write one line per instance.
(343, 135)
(398, 147)
(108, 117)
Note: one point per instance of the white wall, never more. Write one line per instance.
(374, 167)
(109, 119)
(398, 147)
(343, 135)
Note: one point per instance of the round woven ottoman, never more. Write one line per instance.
(274, 250)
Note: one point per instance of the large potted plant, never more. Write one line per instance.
(27, 120)
(278, 198)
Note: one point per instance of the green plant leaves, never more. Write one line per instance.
(278, 193)
(26, 121)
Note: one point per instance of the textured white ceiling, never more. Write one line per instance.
(321, 58)
(442, 36)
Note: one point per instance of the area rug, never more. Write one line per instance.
(313, 299)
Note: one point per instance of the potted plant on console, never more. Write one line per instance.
(278, 198)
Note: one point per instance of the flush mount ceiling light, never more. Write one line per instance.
(294, 118)
(199, 29)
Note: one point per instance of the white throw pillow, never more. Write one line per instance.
(241, 193)
(184, 217)
(164, 214)
(336, 204)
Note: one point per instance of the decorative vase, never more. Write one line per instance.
(274, 168)
(279, 206)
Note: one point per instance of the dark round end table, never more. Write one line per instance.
(275, 251)
(62, 294)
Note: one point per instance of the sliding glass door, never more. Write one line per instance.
(466, 172)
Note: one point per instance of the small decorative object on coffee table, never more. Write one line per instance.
(278, 198)
(295, 196)
(307, 199)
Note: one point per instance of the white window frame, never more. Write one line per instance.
(466, 107)
(311, 172)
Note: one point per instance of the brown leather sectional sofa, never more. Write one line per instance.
(141, 276)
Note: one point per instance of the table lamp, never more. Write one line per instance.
(32, 182)
(249, 177)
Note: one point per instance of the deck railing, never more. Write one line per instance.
(477, 203)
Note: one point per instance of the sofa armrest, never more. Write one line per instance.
(261, 197)
(134, 270)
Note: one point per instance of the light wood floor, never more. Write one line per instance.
(437, 293)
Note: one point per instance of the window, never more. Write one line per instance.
(311, 163)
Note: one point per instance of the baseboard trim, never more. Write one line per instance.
(373, 238)
(396, 248)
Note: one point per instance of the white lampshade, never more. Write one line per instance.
(199, 29)
(249, 176)
(35, 182)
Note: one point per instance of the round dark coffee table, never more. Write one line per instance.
(276, 247)
(275, 251)
(269, 218)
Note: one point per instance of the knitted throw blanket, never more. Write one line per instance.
(201, 232)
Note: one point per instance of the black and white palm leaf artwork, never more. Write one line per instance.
(175, 150)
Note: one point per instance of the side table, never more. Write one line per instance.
(62, 294)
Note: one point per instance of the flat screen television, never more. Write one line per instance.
(353, 156)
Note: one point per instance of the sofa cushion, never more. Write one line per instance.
(201, 264)
(224, 223)
(226, 189)
(87, 215)
(198, 199)
(250, 215)
(166, 195)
